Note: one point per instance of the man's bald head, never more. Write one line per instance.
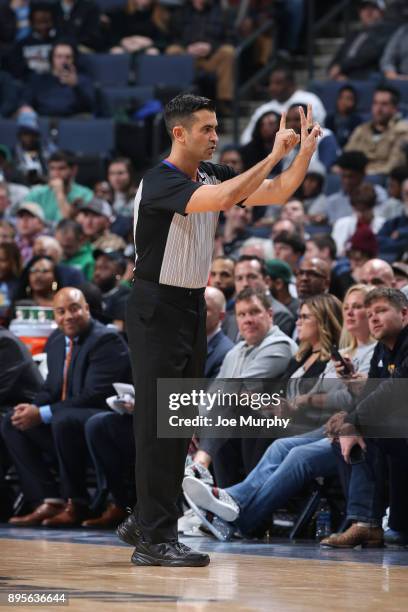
(377, 272)
(216, 304)
(71, 311)
(313, 277)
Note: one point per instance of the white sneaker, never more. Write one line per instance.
(213, 499)
(197, 470)
(189, 524)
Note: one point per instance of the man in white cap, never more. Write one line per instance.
(30, 223)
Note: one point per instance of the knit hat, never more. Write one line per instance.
(276, 268)
(363, 240)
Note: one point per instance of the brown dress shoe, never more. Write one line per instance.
(70, 515)
(45, 511)
(110, 519)
(356, 535)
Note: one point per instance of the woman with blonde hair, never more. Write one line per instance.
(289, 464)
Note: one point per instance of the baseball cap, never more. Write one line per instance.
(400, 268)
(363, 240)
(28, 120)
(33, 208)
(380, 4)
(114, 255)
(276, 268)
(97, 206)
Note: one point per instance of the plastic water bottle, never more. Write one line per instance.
(323, 520)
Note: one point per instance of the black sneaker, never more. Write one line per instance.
(169, 554)
(129, 531)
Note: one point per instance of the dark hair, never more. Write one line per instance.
(256, 134)
(224, 258)
(64, 43)
(364, 194)
(21, 293)
(325, 241)
(62, 156)
(395, 297)
(296, 106)
(249, 292)
(316, 176)
(44, 6)
(348, 88)
(181, 108)
(295, 241)
(261, 262)
(353, 160)
(394, 93)
(399, 173)
(13, 255)
(286, 70)
(69, 225)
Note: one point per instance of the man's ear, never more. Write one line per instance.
(179, 133)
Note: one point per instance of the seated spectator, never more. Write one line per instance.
(30, 223)
(10, 270)
(364, 481)
(7, 232)
(345, 119)
(289, 248)
(359, 55)
(378, 273)
(79, 21)
(352, 166)
(9, 94)
(250, 272)
(361, 248)
(261, 247)
(381, 139)
(39, 282)
(200, 29)
(109, 267)
(311, 193)
(95, 219)
(57, 197)
(232, 156)
(31, 153)
(289, 464)
(63, 91)
(279, 278)
(20, 379)
(262, 140)
(363, 202)
(84, 359)
(393, 206)
(122, 181)
(283, 93)
(135, 28)
(282, 226)
(222, 276)
(269, 354)
(327, 148)
(236, 230)
(77, 250)
(32, 53)
(394, 63)
(294, 211)
(393, 235)
(312, 277)
(49, 246)
(218, 344)
(323, 247)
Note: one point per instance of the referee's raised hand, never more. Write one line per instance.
(285, 140)
(309, 131)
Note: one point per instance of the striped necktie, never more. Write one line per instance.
(68, 358)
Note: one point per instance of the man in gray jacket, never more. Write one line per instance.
(264, 352)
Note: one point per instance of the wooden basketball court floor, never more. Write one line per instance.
(94, 570)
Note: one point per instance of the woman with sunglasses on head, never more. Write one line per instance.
(291, 463)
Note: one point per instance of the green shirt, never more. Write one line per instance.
(45, 197)
(84, 260)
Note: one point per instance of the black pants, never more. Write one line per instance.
(167, 339)
(35, 450)
(111, 444)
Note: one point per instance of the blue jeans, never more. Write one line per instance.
(286, 467)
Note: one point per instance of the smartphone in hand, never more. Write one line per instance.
(348, 367)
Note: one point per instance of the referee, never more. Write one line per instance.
(176, 215)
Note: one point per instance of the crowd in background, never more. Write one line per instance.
(287, 283)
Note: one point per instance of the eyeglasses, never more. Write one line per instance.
(310, 274)
(40, 270)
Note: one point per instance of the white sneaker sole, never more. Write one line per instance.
(202, 496)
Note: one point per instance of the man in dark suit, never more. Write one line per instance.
(218, 344)
(84, 358)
